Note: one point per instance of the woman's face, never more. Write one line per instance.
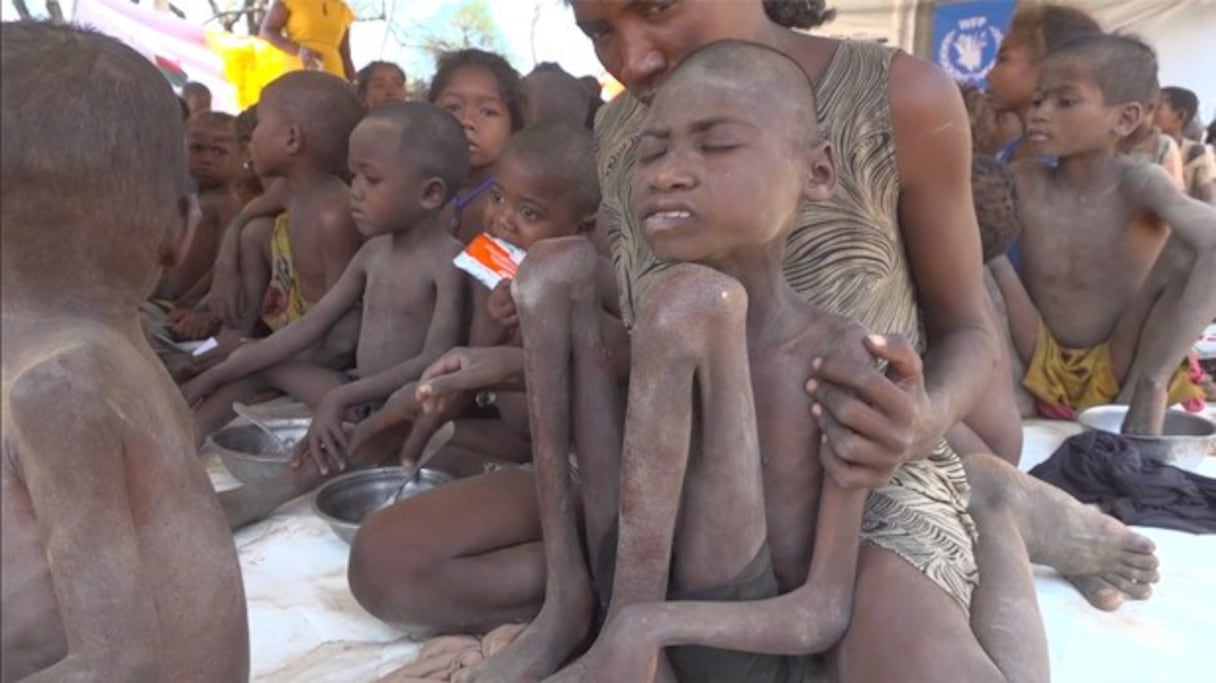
(639, 42)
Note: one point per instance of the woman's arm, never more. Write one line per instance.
(899, 415)
(272, 27)
(941, 235)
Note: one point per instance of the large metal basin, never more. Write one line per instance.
(345, 501)
(250, 454)
(1186, 438)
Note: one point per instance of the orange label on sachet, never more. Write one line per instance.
(490, 260)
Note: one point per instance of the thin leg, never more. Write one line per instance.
(303, 381)
(1103, 558)
(464, 557)
(906, 628)
(1024, 319)
(553, 292)
(216, 410)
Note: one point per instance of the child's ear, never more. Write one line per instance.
(295, 140)
(1127, 118)
(586, 225)
(180, 235)
(819, 176)
(434, 194)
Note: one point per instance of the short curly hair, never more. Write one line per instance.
(509, 83)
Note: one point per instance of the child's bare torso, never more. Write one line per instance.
(1084, 258)
(307, 241)
(186, 557)
(399, 298)
(789, 438)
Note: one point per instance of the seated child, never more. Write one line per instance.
(212, 152)
(717, 411)
(545, 187)
(1174, 114)
(117, 563)
(1034, 32)
(379, 83)
(249, 183)
(408, 160)
(554, 95)
(484, 93)
(1084, 324)
(305, 119)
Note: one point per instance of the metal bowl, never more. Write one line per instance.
(1185, 439)
(250, 454)
(345, 501)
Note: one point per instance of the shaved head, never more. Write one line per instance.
(93, 166)
(758, 74)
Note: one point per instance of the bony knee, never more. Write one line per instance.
(552, 265)
(690, 298)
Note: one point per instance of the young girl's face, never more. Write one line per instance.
(385, 85)
(1011, 81)
(474, 98)
(524, 208)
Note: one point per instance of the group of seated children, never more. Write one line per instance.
(338, 242)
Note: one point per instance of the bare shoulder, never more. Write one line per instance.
(441, 250)
(74, 382)
(924, 100)
(1142, 178)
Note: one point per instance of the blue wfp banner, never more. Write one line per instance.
(966, 36)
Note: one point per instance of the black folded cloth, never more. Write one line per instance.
(1098, 467)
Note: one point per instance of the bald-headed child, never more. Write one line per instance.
(213, 156)
(546, 188)
(1092, 323)
(117, 563)
(305, 120)
(408, 159)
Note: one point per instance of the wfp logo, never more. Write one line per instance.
(969, 50)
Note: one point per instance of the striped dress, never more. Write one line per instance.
(847, 257)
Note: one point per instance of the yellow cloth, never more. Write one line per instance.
(284, 302)
(1082, 378)
(249, 63)
(320, 25)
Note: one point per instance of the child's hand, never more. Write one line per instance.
(1146, 409)
(224, 297)
(198, 389)
(326, 440)
(462, 370)
(193, 325)
(501, 306)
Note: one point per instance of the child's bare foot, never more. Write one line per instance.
(1101, 556)
(541, 648)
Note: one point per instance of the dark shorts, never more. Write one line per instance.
(711, 665)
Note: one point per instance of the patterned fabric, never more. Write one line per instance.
(847, 257)
(284, 302)
(1065, 380)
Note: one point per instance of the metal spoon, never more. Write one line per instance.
(243, 410)
(438, 440)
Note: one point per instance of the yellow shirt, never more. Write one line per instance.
(320, 25)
